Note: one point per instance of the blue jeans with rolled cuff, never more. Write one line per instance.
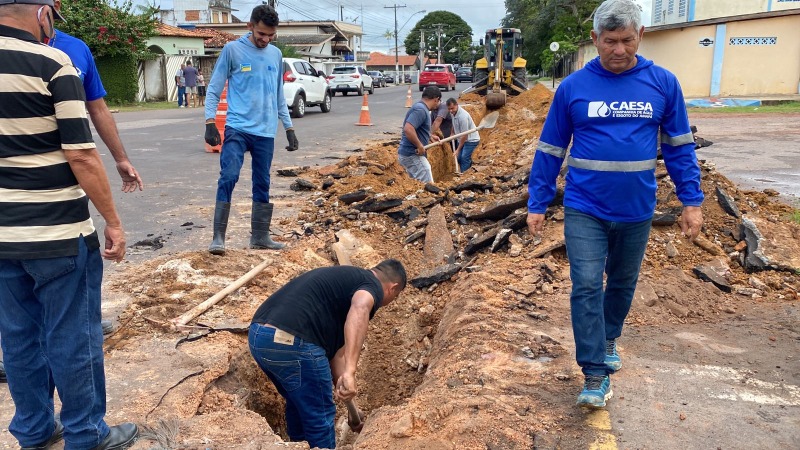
(52, 339)
(596, 247)
(302, 375)
(231, 159)
(465, 155)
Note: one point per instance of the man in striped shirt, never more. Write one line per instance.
(50, 255)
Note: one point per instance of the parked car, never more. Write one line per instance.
(304, 86)
(389, 78)
(464, 74)
(346, 79)
(407, 78)
(378, 80)
(440, 75)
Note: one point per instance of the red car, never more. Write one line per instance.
(440, 75)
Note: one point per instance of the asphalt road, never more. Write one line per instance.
(167, 149)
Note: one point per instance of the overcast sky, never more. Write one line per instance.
(377, 19)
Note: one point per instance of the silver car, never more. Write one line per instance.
(350, 79)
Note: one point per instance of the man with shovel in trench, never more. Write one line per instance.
(307, 338)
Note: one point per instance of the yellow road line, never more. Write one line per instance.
(600, 420)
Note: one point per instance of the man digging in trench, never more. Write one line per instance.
(611, 110)
(307, 338)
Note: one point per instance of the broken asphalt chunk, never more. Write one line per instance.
(708, 273)
(500, 209)
(352, 197)
(727, 203)
(435, 275)
(378, 204)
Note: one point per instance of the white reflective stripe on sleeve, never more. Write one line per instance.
(612, 166)
(558, 152)
(677, 140)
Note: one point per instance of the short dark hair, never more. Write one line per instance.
(452, 101)
(265, 14)
(392, 271)
(431, 92)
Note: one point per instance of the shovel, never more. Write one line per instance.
(489, 121)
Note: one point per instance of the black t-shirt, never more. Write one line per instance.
(314, 306)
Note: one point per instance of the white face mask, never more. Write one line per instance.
(46, 33)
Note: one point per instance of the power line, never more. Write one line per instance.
(396, 56)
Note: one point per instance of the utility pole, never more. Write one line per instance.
(396, 56)
(439, 27)
(421, 49)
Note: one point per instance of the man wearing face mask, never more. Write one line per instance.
(254, 72)
(50, 253)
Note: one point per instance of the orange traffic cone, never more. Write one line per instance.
(408, 98)
(219, 120)
(363, 120)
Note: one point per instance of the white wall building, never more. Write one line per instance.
(186, 12)
(666, 12)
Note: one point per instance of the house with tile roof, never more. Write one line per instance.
(170, 40)
(383, 62)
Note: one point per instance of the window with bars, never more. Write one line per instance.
(682, 8)
(754, 40)
(671, 7)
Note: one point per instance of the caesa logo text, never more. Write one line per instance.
(621, 109)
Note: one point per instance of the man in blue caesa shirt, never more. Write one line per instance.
(101, 116)
(611, 111)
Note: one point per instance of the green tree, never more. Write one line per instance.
(546, 21)
(111, 29)
(456, 36)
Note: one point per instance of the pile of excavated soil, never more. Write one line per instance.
(472, 360)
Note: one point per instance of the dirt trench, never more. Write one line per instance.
(478, 359)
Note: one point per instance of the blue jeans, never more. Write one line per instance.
(418, 167)
(302, 375)
(465, 156)
(181, 95)
(52, 338)
(595, 247)
(231, 159)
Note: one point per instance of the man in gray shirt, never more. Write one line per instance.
(462, 121)
(190, 75)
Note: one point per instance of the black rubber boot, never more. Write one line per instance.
(221, 212)
(260, 222)
(120, 437)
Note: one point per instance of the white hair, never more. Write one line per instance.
(617, 14)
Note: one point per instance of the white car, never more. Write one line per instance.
(304, 86)
(346, 79)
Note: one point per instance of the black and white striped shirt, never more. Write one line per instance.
(43, 210)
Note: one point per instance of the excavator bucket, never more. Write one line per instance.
(495, 100)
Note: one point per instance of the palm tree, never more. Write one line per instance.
(389, 35)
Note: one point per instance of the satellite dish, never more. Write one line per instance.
(554, 46)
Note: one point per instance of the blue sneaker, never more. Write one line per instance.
(596, 390)
(612, 360)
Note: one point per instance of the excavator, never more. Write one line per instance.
(501, 71)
